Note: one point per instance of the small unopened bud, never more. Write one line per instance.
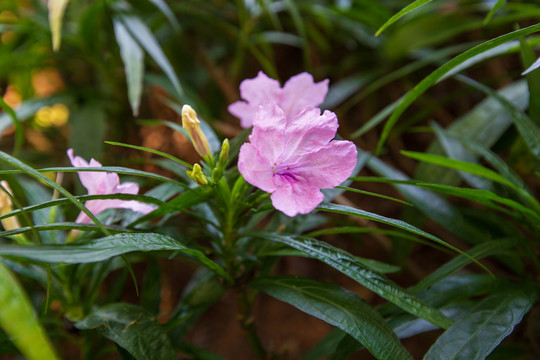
(197, 175)
(222, 161)
(192, 125)
(6, 206)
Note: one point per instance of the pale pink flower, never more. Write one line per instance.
(294, 158)
(104, 183)
(298, 93)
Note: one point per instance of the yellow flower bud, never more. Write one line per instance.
(192, 125)
(197, 175)
(6, 206)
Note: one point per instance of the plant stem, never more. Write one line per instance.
(248, 325)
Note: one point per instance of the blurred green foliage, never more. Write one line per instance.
(447, 74)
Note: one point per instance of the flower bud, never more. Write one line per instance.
(191, 124)
(197, 175)
(6, 206)
(222, 161)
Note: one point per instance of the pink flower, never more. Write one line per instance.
(104, 183)
(294, 158)
(298, 93)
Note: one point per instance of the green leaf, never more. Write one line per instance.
(18, 320)
(86, 137)
(373, 194)
(429, 203)
(107, 247)
(528, 59)
(56, 13)
(133, 59)
(337, 307)
(430, 80)
(340, 209)
(533, 67)
(132, 328)
(402, 13)
(152, 151)
(146, 39)
(493, 10)
(13, 162)
(350, 266)
(478, 252)
(470, 168)
(485, 197)
(166, 10)
(19, 135)
(528, 130)
(115, 169)
(476, 334)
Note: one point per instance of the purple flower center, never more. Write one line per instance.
(285, 171)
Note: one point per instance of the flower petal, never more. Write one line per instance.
(95, 182)
(127, 188)
(292, 197)
(256, 169)
(268, 131)
(308, 132)
(260, 89)
(329, 166)
(255, 92)
(243, 111)
(300, 92)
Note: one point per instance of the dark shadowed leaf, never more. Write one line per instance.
(105, 248)
(476, 334)
(350, 266)
(132, 328)
(338, 307)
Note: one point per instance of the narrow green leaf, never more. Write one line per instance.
(152, 151)
(476, 334)
(13, 162)
(182, 202)
(373, 194)
(146, 39)
(133, 59)
(407, 9)
(107, 247)
(132, 328)
(533, 67)
(19, 135)
(115, 169)
(166, 10)
(350, 266)
(490, 248)
(56, 13)
(528, 130)
(460, 165)
(341, 209)
(18, 320)
(528, 59)
(431, 79)
(429, 203)
(337, 307)
(493, 10)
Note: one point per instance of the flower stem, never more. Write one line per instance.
(248, 325)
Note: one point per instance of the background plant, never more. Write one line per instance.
(443, 82)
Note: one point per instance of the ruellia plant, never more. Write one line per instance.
(102, 261)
